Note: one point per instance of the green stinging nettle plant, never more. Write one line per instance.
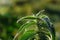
(38, 27)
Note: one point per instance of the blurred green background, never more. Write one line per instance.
(12, 10)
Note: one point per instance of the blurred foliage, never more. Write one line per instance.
(15, 9)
